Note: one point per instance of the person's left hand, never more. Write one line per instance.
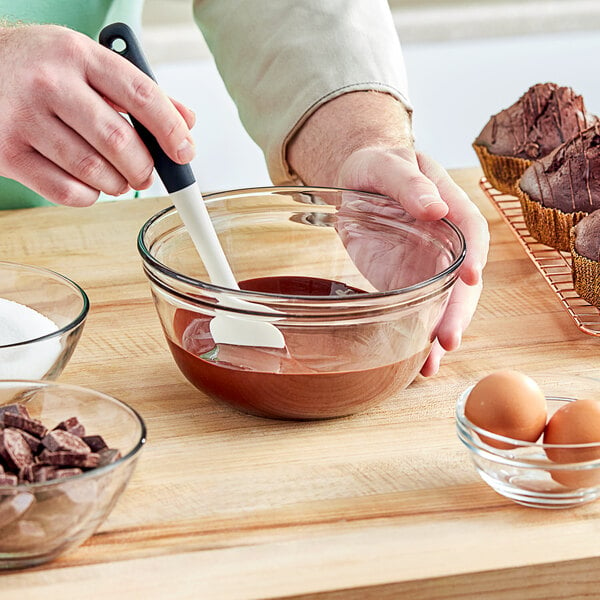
(427, 192)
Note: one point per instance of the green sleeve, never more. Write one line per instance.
(85, 16)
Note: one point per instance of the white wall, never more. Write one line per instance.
(456, 86)
(456, 80)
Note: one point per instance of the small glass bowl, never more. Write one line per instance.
(53, 296)
(39, 521)
(525, 473)
(357, 285)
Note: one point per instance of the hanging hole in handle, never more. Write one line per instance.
(118, 45)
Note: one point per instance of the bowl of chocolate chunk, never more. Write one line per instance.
(355, 285)
(42, 315)
(66, 455)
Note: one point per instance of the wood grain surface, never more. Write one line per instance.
(382, 505)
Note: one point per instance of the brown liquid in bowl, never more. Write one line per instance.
(322, 372)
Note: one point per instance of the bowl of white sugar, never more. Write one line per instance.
(42, 314)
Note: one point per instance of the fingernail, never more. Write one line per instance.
(145, 184)
(119, 192)
(185, 151)
(429, 200)
(457, 341)
(476, 274)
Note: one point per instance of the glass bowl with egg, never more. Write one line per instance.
(354, 284)
(66, 456)
(534, 439)
(42, 315)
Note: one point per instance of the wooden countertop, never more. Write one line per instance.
(381, 505)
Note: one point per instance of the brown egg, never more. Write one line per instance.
(507, 403)
(576, 422)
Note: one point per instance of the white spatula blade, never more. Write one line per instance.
(242, 331)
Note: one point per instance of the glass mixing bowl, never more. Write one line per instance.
(355, 285)
(41, 519)
(538, 474)
(526, 472)
(52, 310)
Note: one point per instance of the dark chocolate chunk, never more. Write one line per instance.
(59, 439)
(29, 453)
(15, 409)
(73, 426)
(70, 472)
(43, 473)
(33, 441)
(8, 479)
(37, 472)
(64, 458)
(26, 473)
(15, 451)
(108, 456)
(95, 442)
(27, 424)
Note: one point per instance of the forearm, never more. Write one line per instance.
(342, 126)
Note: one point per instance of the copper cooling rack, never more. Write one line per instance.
(554, 265)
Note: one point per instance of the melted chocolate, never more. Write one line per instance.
(321, 373)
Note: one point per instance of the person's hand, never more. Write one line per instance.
(61, 131)
(427, 192)
(363, 141)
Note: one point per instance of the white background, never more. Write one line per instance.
(455, 85)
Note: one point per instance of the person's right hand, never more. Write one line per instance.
(61, 131)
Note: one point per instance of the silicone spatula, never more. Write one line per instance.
(226, 327)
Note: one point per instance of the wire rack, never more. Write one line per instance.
(554, 265)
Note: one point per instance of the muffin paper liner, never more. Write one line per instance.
(586, 275)
(549, 226)
(503, 172)
(555, 266)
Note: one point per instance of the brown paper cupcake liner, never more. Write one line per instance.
(549, 226)
(503, 172)
(586, 276)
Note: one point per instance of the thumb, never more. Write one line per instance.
(394, 173)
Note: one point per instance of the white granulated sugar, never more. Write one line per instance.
(19, 323)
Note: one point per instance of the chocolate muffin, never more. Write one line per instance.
(543, 118)
(585, 250)
(560, 189)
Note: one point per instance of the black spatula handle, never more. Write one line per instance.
(120, 38)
